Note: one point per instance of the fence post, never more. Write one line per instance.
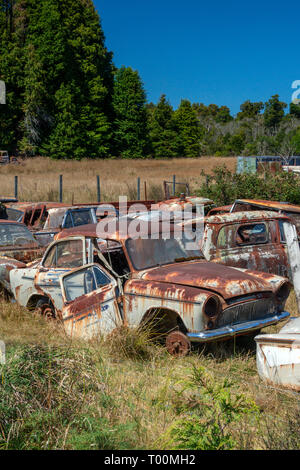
(174, 185)
(98, 189)
(60, 188)
(16, 187)
(139, 188)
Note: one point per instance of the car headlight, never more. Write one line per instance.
(283, 292)
(212, 306)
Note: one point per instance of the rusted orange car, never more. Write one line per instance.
(249, 240)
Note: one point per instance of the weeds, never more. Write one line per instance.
(132, 343)
(210, 409)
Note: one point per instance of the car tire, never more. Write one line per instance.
(178, 344)
(45, 310)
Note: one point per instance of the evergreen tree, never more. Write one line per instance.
(129, 105)
(189, 131)
(163, 130)
(250, 110)
(274, 112)
(47, 46)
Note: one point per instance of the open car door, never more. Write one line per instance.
(90, 302)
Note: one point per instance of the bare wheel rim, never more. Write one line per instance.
(178, 344)
(45, 311)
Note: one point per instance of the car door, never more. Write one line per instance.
(61, 256)
(90, 302)
(252, 245)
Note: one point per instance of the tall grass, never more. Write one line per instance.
(39, 177)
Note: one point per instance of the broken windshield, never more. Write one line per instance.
(148, 253)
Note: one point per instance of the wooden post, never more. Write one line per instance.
(16, 187)
(174, 185)
(139, 188)
(292, 244)
(60, 188)
(98, 189)
(145, 188)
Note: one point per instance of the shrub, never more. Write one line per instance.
(210, 411)
(225, 187)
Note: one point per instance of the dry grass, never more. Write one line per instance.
(39, 177)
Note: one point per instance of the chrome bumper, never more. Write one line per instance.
(237, 329)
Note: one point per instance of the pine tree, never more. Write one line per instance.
(274, 112)
(189, 131)
(163, 130)
(130, 125)
(48, 46)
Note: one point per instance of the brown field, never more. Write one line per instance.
(39, 177)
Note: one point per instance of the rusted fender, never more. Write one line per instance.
(141, 296)
(6, 265)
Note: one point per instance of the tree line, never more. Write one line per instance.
(67, 99)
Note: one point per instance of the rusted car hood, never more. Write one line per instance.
(223, 280)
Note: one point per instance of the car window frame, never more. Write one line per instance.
(112, 283)
(64, 240)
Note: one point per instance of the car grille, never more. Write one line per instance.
(247, 311)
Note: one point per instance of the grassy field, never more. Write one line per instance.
(127, 393)
(39, 177)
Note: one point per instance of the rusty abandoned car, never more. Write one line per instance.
(17, 247)
(94, 282)
(250, 240)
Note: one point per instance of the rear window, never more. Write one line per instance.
(252, 234)
(231, 236)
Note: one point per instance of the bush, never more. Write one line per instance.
(211, 410)
(224, 187)
(50, 399)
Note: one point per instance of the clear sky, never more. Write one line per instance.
(221, 52)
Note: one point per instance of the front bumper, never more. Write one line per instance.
(236, 329)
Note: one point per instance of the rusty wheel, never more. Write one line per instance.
(178, 344)
(45, 310)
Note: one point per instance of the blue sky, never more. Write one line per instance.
(211, 52)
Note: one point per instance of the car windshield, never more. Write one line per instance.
(14, 234)
(148, 253)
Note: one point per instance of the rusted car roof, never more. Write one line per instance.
(179, 203)
(121, 232)
(244, 216)
(276, 205)
(236, 217)
(219, 210)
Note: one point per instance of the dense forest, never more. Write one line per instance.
(66, 98)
